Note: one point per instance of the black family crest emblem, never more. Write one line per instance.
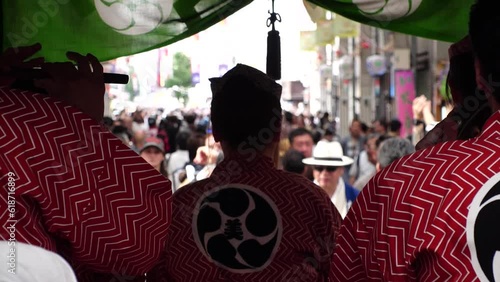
(237, 227)
(483, 231)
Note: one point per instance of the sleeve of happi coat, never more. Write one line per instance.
(105, 208)
(326, 228)
(347, 260)
(335, 231)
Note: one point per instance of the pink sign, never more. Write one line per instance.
(404, 88)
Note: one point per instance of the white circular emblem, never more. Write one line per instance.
(133, 17)
(237, 227)
(483, 231)
(387, 10)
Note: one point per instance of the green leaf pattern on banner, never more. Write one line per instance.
(444, 20)
(108, 28)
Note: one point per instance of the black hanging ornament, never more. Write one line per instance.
(273, 68)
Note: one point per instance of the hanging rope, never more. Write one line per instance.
(273, 68)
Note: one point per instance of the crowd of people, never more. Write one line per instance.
(249, 192)
(181, 145)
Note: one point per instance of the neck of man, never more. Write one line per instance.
(157, 167)
(270, 150)
(330, 189)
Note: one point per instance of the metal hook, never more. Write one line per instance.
(273, 17)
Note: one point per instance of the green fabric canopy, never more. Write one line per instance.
(114, 28)
(108, 28)
(444, 20)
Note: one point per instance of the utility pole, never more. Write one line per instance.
(335, 85)
(376, 80)
(414, 57)
(354, 80)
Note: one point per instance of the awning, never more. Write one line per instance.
(108, 28)
(115, 28)
(444, 20)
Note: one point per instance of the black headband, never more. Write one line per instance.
(329, 159)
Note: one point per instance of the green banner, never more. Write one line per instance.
(444, 20)
(108, 28)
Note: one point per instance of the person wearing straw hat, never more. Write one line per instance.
(328, 162)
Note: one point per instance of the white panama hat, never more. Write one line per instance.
(34, 264)
(328, 154)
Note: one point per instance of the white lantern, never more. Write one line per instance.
(346, 67)
(375, 65)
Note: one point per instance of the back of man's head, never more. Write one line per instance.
(245, 105)
(193, 143)
(181, 139)
(289, 117)
(292, 161)
(395, 125)
(484, 31)
(330, 131)
(393, 149)
(190, 118)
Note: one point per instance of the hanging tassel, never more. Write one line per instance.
(274, 55)
(273, 68)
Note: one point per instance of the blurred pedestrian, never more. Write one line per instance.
(153, 151)
(328, 163)
(292, 162)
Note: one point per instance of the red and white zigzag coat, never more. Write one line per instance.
(430, 216)
(78, 190)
